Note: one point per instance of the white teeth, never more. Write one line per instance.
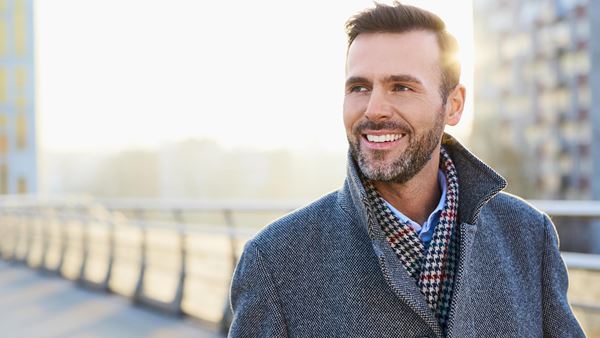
(383, 138)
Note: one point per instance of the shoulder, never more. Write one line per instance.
(511, 220)
(512, 207)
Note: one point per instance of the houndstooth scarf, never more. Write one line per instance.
(432, 268)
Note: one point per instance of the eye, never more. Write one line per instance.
(400, 88)
(358, 89)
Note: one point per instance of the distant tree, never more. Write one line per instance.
(132, 173)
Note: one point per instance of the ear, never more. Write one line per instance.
(455, 104)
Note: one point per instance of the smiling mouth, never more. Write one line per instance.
(383, 138)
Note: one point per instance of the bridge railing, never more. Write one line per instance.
(176, 256)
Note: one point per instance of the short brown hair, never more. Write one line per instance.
(400, 18)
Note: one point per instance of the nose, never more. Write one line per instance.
(378, 108)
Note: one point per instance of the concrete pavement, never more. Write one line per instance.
(41, 306)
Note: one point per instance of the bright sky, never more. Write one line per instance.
(114, 74)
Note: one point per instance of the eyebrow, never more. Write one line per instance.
(402, 78)
(356, 79)
(391, 78)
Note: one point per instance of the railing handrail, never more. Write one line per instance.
(158, 204)
(571, 208)
(200, 205)
(581, 261)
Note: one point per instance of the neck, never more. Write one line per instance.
(418, 197)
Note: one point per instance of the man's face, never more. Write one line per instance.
(393, 111)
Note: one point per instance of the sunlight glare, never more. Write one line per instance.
(265, 74)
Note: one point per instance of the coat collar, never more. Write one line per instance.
(478, 183)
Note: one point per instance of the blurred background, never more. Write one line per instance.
(143, 142)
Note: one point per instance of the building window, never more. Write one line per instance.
(22, 185)
(20, 26)
(584, 150)
(21, 105)
(3, 145)
(584, 96)
(584, 183)
(582, 28)
(3, 85)
(21, 131)
(3, 179)
(21, 80)
(3, 36)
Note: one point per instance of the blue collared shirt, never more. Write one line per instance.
(425, 230)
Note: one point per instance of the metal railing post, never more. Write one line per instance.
(179, 292)
(228, 214)
(23, 237)
(28, 238)
(85, 242)
(227, 317)
(17, 235)
(139, 287)
(45, 241)
(30, 229)
(111, 253)
(64, 240)
(4, 234)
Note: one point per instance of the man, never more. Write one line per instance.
(420, 240)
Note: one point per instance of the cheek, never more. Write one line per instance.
(422, 111)
(353, 111)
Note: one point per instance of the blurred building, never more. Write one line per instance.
(18, 162)
(537, 88)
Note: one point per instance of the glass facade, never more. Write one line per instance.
(18, 153)
(533, 82)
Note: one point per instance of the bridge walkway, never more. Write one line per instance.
(33, 304)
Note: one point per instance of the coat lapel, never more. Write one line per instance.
(398, 279)
(459, 322)
(353, 197)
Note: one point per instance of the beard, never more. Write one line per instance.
(372, 163)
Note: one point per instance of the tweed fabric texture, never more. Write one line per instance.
(432, 267)
(326, 270)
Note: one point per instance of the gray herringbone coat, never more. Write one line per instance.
(326, 270)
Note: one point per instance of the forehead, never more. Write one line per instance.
(414, 53)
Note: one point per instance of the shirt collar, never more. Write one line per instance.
(404, 219)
